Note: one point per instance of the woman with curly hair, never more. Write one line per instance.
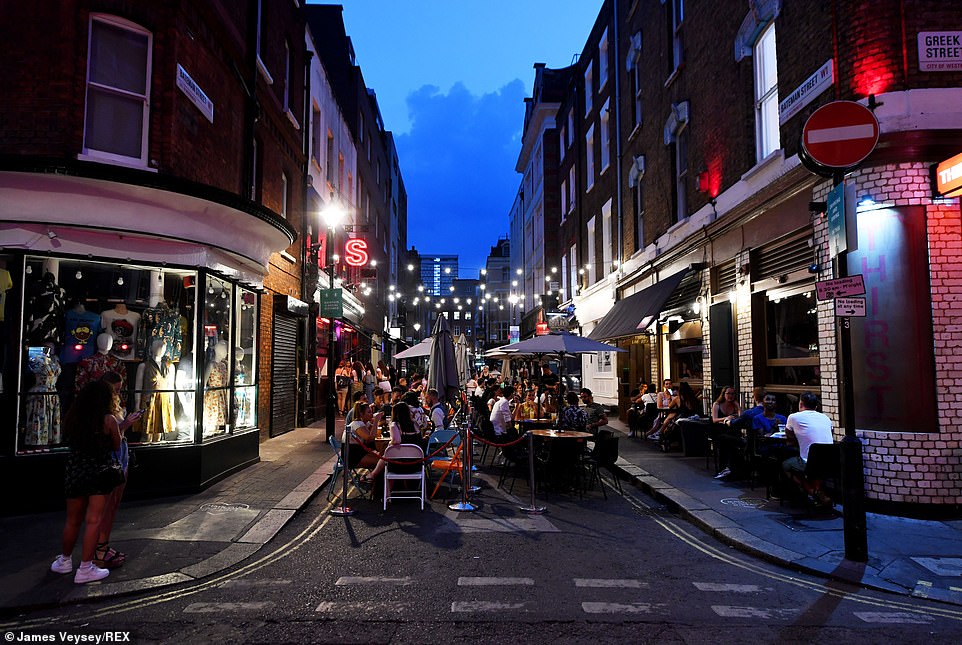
(92, 432)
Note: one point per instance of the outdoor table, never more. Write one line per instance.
(694, 436)
(533, 424)
(561, 459)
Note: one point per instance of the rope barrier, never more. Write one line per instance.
(407, 461)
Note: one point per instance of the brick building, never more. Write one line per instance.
(718, 235)
(150, 206)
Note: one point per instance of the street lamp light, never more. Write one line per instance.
(332, 216)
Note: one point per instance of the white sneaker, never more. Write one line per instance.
(725, 472)
(89, 572)
(63, 564)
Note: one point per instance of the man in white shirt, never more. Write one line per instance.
(438, 413)
(805, 427)
(501, 411)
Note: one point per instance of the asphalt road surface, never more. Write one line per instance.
(587, 570)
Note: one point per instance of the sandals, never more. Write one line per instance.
(107, 557)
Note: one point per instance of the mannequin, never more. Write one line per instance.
(155, 374)
(81, 329)
(242, 402)
(122, 324)
(42, 412)
(215, 394)
(184, 384)
(94, 367)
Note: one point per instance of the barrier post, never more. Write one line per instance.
(344, 509)
(533, 508)
(466, 449)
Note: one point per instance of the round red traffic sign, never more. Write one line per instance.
(840, 134)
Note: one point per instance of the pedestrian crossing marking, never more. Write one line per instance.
(726, 587)
(731, 611)
(893, 618)
(214, 607)
(616, 608)
(478, 606)
(365, 580)
(612, 583)
(466, 581)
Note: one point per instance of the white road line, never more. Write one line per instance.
(368, 580)
(718, 586)
(616, 608)
(244, 583)
(478, 606)
(730, 611)
(368, 608)
(843, 133)
(465, 581)
(893, 618)
(214, 607)
(610, 583)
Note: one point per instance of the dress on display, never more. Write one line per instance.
(160, 323)
(43, 403)
(159, 406)
(242, 398)
(215, 400)
(94, 367)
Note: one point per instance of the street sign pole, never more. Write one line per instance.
(853, 479)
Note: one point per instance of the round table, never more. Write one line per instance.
(532, 424)
(561, 434)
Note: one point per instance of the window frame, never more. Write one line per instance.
(603, 50)
(765, 97)
(605, 138)
(590, 158)
(589, 88)
(102, 155)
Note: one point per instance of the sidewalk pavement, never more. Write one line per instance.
(178, 539)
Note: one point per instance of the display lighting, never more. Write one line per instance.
(410, 267)
(79, 274)
(390, 287)
(28, 270)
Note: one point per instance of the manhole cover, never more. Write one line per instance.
(221, 509)
(748, 502)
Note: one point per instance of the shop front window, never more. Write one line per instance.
(217, 356)
(84, 319)
(792, 344)
(245, 392)
(685, 347)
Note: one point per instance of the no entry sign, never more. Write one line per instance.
(840, 134)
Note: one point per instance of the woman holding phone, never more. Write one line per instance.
(105, 556)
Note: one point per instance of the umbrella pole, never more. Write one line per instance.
(532, 509)
(466, 449)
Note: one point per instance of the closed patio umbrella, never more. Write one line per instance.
(442, 365)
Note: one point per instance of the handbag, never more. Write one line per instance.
(110, 476)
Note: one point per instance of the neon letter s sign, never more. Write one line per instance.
(355, 252)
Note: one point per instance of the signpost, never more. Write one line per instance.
(331, 305)
(840, 135)
(850, 307)
(852, 285)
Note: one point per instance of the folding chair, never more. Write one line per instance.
(449, 466)
(404, 472)
(336, 475)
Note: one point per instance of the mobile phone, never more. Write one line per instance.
(140, 412)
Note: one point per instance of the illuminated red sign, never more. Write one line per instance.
(541, 329)
(948, 177)
(355, 252)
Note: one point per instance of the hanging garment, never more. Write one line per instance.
(242, 397)
(44, 309)
(94, 367)
(158, 406)
(123, 328)
(160, 323)
(42, 413)
(82, 329)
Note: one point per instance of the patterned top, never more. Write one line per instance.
(94, 367)
(573, 418)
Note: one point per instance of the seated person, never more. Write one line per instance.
(725, 413)
(685, 404)
(402, 431)
(359, 436)
(805, 427)
(528, 409)
(596, 413)
(572, 417)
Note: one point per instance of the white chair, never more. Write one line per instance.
(404, 451)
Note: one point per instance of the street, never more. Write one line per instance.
(621, 570)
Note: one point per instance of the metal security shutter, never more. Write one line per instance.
(783, 257)
(284, 375)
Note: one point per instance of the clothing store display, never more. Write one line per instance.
(242, 396)
(123, 325)
(160, 323)
(42, 413)
(159, 406)
(44, 311)
(94, 367)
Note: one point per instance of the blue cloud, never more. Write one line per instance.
(458, 162)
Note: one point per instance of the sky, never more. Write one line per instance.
(451, 77)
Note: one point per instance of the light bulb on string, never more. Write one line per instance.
(120, 281)
(210, 290)
(28, 270)
(79, 275)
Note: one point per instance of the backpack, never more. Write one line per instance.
(447, 422)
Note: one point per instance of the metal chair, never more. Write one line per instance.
(393, 472)
(336, 475)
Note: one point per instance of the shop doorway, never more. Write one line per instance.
(285, 350)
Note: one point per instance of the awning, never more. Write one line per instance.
(631, 316)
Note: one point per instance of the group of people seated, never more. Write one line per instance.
(655, 416)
